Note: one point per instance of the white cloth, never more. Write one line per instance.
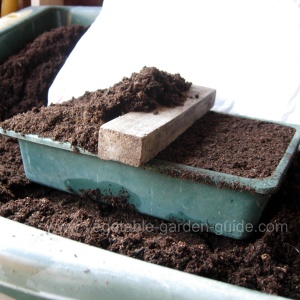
(248, 50)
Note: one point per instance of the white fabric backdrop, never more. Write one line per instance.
(248, 50)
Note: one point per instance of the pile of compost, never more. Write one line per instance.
(25, 77)
(78, 121)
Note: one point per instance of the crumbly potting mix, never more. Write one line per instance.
(25, 77)
(269, 262)
(78, 121)
(232, 145)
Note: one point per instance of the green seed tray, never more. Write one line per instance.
(224, 204)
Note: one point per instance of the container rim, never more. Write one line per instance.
(36, 264)
(25, 15)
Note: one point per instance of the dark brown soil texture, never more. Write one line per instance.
(78, 121)
(26, 76)
(231, 145)
(268, 262)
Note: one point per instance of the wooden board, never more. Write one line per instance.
(137, 137)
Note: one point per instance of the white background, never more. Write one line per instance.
(249, 51)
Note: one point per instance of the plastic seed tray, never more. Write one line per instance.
(224, 204)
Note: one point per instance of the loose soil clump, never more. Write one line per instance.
(26, 76)
(268, 262)
(78, 121)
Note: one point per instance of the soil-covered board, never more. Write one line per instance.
(78, 121)
(268, 262)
